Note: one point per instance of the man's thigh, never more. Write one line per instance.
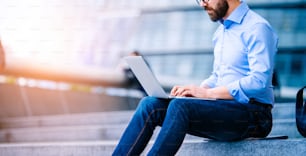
(217, 119)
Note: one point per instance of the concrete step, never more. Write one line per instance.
(102, 126)
(72, 133)
(105, 132)
(247, 147)
(280, 111)
(294, 147)
(101, 118)
(97, 134)
(63, 133)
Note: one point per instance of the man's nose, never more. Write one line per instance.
(203, 4)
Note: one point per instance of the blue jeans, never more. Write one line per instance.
(224, 120)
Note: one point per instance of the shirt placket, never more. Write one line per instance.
(222, 63)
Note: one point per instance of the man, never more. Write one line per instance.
(245, 45)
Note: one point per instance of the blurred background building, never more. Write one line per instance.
(56, 44)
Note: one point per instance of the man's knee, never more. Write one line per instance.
(179, 104)
(149, 103)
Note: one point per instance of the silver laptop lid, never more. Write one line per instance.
(145, 76)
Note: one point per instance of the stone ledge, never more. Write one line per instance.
(281, 111)
(98, 118)
(104, 132)
(296, 147)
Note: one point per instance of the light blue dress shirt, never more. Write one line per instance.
(245, 46)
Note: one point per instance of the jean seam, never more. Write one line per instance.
(142, 130)
(172, 116)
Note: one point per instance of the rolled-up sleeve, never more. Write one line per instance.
(210, 81)
(261, 44)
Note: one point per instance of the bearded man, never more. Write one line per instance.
(241, 82)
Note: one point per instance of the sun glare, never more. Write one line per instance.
(39, 30)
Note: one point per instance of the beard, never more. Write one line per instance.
(219, 12)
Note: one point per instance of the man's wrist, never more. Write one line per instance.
(210, 93)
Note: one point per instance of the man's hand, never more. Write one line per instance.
(201, 92)
(189, 91)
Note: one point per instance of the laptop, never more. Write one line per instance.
(148, 80)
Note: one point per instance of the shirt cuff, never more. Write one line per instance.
(236, 91)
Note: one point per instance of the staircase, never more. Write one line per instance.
(94, 134)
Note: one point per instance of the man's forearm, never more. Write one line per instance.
(219, 93)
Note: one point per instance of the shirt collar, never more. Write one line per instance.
(237, 15)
